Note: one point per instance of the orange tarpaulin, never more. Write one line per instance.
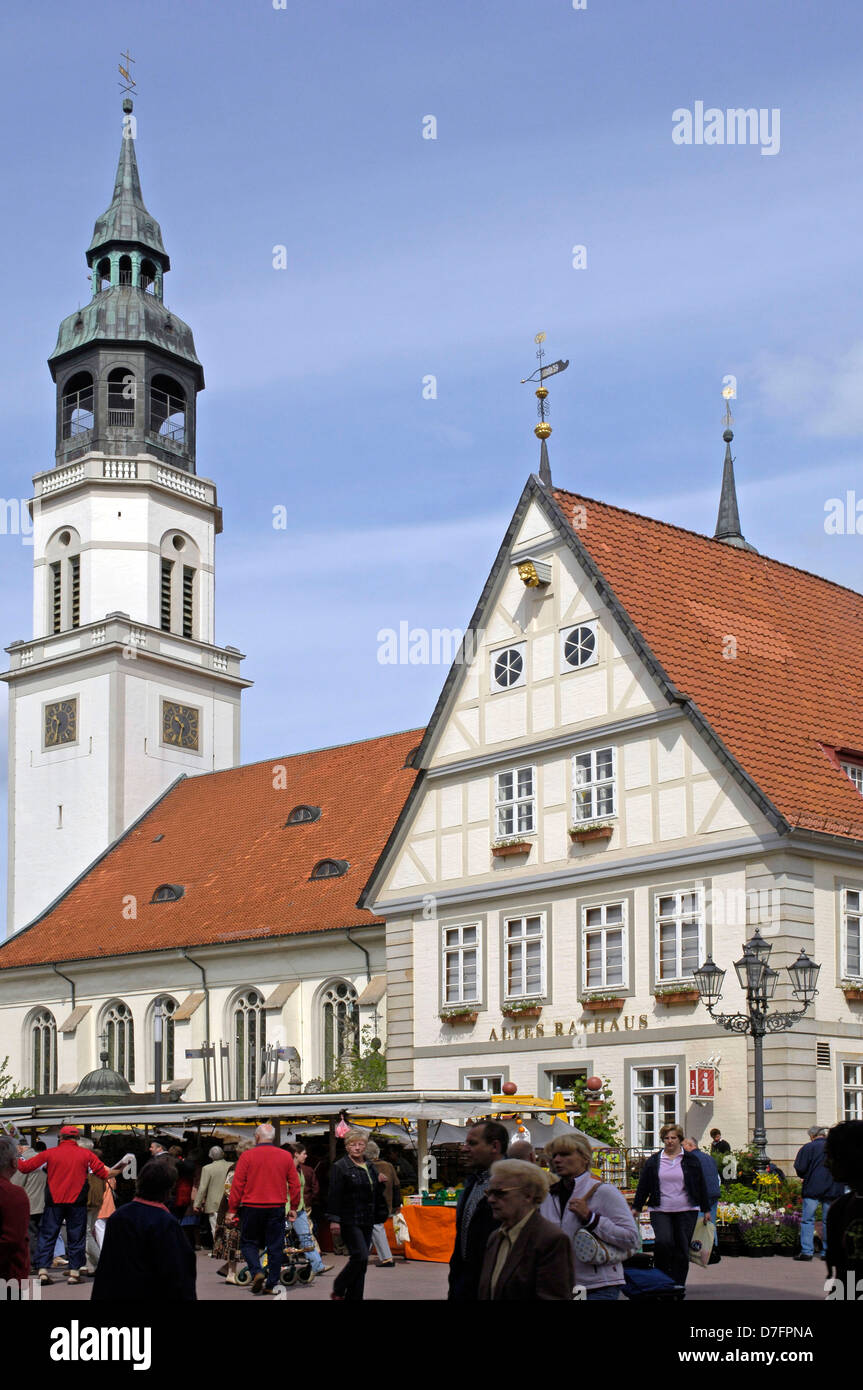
(432, 1233)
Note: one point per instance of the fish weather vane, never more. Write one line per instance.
(128, 85)
(543, 429)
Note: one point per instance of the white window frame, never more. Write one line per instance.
(459, 949)
(601, 930)
(485, 1077)
(565, 633)
(854, 773)
(655, 1089)
(852, 1091)
(521, 648)
(857, 914)
(677, 916)
(582, 814)
(514, 802)
(522, 941)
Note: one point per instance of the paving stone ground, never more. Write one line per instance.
(733, 1280)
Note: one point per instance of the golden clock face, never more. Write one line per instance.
(61, 723)
(180, 725)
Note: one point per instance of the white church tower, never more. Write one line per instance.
(121, 689)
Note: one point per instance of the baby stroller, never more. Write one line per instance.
(296, 1268)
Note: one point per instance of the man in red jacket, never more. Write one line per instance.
(69, 1167)
(263, 1179)
(14, 1216)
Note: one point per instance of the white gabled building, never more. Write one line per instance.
(660, 721)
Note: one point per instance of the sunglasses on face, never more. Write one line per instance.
(500, 1191)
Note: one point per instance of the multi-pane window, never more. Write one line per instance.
(515, 802)
(461, 964)
(249, 1042)
(852, 965)
(654, 1103)
(855, 772)
(679, 934)
(120, 1030)
(593, 785)
(852, 1091)
(578, 645)
(341, 1024)
(524, 955)
(168, 1009)
(604, 946)
(487, 1082)
(507, 668)
(43, 1049)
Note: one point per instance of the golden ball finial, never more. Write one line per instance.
(542, 392)
(543, 430)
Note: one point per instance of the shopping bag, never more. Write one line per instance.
(400, 1226)
(701, 1243)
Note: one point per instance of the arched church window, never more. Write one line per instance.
(120, 1035)
(168, 409)
(125, 270)
(76, 406)
(121, 397)
(103, 273)
(169, 1008)
(341, 1021)
(148, 277)
(43, 1053)
(249, 1043)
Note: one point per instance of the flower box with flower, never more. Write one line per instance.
(853, 990)
(459, 1013)
(515, 844)
(521, 1008)
(597, 1002)
(586, 830)
(680, 993)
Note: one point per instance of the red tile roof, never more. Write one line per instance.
(795, 686)
(245, 874)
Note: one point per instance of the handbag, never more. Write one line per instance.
(592, 1250)
(701, 1244)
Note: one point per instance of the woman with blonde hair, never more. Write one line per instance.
(579, 1202)
(527, 1258)
(355, 1205)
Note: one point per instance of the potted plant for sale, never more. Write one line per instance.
(759, 1238)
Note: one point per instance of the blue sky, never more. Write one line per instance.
(407, 257)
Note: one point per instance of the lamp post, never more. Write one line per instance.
(758, 980)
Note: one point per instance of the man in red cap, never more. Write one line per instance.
(69, 1167)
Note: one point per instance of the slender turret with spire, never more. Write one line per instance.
(728, 520)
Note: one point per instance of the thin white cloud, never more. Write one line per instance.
(823, 395)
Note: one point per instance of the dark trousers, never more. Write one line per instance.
(673, 1231)
(35, 1223)
(350, 1281)
(76, 1230)
(259, 1227)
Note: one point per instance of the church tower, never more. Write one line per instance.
(122, 688)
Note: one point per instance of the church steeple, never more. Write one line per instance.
(127, 222)
(126, 369)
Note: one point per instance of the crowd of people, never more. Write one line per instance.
(527, 1226)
